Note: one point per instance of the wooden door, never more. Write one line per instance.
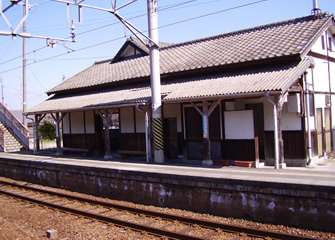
(171, 138)
(259, 127)
(194, 134)
(327, 131)
(319, 131)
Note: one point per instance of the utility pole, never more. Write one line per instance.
(2, 96)
(14, 33)
(157, 127)
(156, 101)
(24, 66)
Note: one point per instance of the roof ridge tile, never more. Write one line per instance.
(251, 29)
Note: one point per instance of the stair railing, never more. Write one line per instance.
(14, 126)
(2, 140)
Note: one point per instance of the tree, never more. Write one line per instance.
(47, 130)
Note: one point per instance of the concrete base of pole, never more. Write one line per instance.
(259, 164)
(159, 156)
(282, 165)
(59, 153)
(108, 157)
(207, 162)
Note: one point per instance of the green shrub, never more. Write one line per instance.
(47, 130)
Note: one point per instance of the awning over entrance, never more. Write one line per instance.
(241, 83)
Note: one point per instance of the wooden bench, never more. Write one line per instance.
(125, 153)
(77, 150)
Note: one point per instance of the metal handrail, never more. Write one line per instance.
(14, 125)
(2, 140)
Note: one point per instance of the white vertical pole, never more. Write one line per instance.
(147, 142)
(275, 129)
(2, 96)
(155, 83)
(275, 124)
(24, 65)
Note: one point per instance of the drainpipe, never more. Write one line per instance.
(307, 116)
(267, 95)
(34, 130)
(147, 144)
(330, 91)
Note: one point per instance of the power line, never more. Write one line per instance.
(119, 38)
(101, 27)
(213, 13)
(37, 80)
(63, 54)
(71, 59)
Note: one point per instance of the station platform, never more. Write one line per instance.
(321, 173)
(295, 196)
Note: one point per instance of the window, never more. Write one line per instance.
(311, 105)
(330, 44)
(115, 121)
(323, 42)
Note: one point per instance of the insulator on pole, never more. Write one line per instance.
(73, 32)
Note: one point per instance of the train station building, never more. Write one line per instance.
(257, 95)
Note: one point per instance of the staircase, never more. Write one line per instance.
(13, 134)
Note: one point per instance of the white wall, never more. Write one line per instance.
(317, 48)
(173, 111)
(239, 124)
(127, 120)
(320, 73)
(89, 122)
(289, 121)
(140, 121)
(77, 122)
(66, 124)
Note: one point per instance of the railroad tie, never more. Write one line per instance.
(133, 219)
(150, 222)
(186, 230)
(209, 235)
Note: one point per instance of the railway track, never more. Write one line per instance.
(158, 224)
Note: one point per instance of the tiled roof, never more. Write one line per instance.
(277, 78)
(257, 80)
(281, 39)
(93, 100)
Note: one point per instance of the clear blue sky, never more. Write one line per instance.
(101, 35)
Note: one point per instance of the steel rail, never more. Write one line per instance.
(253, 232)
(106, 219)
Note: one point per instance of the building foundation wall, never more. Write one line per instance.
(302, 205)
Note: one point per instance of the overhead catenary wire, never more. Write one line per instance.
(164, 8)
(101, 27)
(119, 38)
(63, 54)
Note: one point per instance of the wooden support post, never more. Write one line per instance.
(108, 154)
(38, 119)
(58, 137)
(256, 139)
(279, 106)
(58, 119)
(205, 127)
(205, 113)
(107, 118)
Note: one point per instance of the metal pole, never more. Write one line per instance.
(147, 142)
(146, 125)
(2, 96)
(307, 118)
(24, 66)
(155, 83)
(275, 123)
(275, 130)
